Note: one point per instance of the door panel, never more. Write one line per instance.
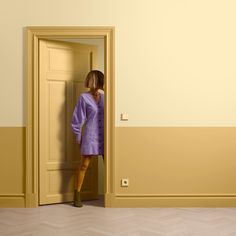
(63, 67)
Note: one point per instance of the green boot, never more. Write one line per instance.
(77, 200)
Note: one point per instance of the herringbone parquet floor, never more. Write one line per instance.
(95, 220)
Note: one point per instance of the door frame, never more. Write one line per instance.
(33, 34)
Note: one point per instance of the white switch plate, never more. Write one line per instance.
(124, 116)
(124, 182)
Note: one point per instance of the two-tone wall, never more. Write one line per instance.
(174, 76)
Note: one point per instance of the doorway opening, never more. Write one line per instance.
(93, 36)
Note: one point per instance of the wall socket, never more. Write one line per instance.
(124, 182)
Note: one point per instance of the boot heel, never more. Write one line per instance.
(77, 199)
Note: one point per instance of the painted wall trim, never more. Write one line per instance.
(175, 195)
(181, 201)
(12, 195)
(12, 202)
(33, 34)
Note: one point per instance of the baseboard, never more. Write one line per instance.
(115, 201)
(12, 201)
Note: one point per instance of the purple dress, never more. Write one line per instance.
(87, 111)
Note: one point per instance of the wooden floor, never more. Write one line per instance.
(95, 220)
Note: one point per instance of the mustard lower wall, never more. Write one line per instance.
(183, 166)
(12, 166)
(166, 166)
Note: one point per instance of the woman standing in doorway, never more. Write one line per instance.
(89, 110)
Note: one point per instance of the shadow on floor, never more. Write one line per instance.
(97, 203)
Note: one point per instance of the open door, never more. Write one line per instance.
(63, 67)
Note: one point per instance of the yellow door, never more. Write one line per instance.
(63, 67)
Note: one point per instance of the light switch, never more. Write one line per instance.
(124, 116)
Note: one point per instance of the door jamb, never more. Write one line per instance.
(33, 34)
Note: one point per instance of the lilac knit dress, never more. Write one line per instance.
(87, 111)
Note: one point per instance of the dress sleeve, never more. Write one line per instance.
(78, 117)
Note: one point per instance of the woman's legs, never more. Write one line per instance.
(81, 171)
(84, 163)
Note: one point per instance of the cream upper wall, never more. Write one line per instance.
(174, 62)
